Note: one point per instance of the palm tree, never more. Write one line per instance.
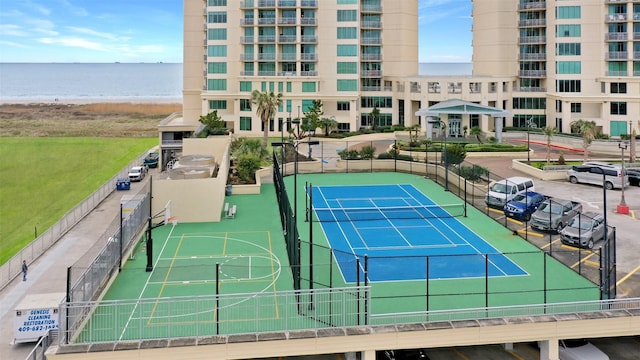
(548, 132)
(267, 105)
(588, 131)
(477, 132)
(375, 114)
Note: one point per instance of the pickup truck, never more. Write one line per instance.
(553, 214)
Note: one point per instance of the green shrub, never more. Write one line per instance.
(247, 166)
(473, 173)
(347, 154)
(367, 152)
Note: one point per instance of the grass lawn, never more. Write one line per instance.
(43, 178)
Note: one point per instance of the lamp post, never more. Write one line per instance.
(604, 200)
(443, 125)
(623, 208)
(528, 141)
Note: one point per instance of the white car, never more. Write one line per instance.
(579, 349)
(137, 173)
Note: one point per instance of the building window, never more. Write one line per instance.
(568, 31)
(245, 105)
(347, 85)
(376, 101)
(568, 67)
(576, 108)
(217, 104)
(529, 103)
(618, 128)
(216, 84)
(217, 17)
(347, 15)
(344, 106)
(245, 86)
(571, 86)
(217, 34)
(618, 108)
(558, 106)
(568, 12)
(308, 86)
(347, 50)
(347, 67)
(217, 3)
(217, 68)
(347, 33)
(568, 49)
(245, 122)
(618, 88)
(217, 50)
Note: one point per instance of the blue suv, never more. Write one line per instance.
(523, 205)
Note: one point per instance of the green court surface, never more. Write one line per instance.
(244, 260)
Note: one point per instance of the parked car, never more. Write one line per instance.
(584, 230)
(580, 350)
(592, 173)
(634, 176)
(123, 184)
(500, 192)
(408, 354)
(523, 205)
(554, 213)
(137, 173)
(151, 161)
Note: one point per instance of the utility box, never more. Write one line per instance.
(35, 315)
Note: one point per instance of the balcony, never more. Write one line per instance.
(308, 21)
(371, 41)
(368, 57)
(617, 36)
(617, 55)
(266, 73)
(309, 39)
(370, 8)
(615, 17)
(287, 57)
(618, 73)
(247, 22)
(532, 22)
(266, 21)
(532, 73)
(309, 3)
(287, 3)
(636, 55)
(533, 56)
(247, 57)
(287, 38)
(371, 24)
(530, 89)
(309, 73)
(267, 39)
(247, 73)
(375, 88)
(287, 21)
(287, 73)
(309, 57)
(371, 73)
(267, 57)
(532, 6)
(247, 39)
(532, 40)
(266, 3)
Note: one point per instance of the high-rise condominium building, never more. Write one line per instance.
(338, 51)
(570, 59)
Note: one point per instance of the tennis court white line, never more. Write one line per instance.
(339, 226)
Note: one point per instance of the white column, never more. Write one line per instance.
(367, 355)
(498, 128)
(549, 349)
(429, 125)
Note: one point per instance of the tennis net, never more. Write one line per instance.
(388, 213)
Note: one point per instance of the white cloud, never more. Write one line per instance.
(74, 42)
(13, 44)
(75, 10)
(42, 26)
(87, 31)
(12, 30)
(38, 8)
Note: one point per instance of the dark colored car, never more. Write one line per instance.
(634, 176)
(151, 161)
(523, 205)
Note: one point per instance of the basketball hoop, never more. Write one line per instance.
(173, 220)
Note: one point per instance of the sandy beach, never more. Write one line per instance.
(101, 119)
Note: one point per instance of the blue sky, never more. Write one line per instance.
(151, 30)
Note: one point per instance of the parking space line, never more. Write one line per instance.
(586, 261)
(515, 354)
(549, 244)
(632, 213)
(628, 275)
(463, 356)
(532, 233)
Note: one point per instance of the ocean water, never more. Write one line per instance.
(113, 82)
(90, 82)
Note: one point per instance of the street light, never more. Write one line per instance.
(446, 157)
(529, 122)
(604, 199)
(623, 208)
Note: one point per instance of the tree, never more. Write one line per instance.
(477, 132)
(311, 120)
(455, 154)
(548, 133)
(267, 105)
(327, 124)
(375, 115)
(588, 131)
(213, 124)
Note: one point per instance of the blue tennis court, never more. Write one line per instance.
(403, 234)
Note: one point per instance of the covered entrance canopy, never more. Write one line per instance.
(457, 106)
